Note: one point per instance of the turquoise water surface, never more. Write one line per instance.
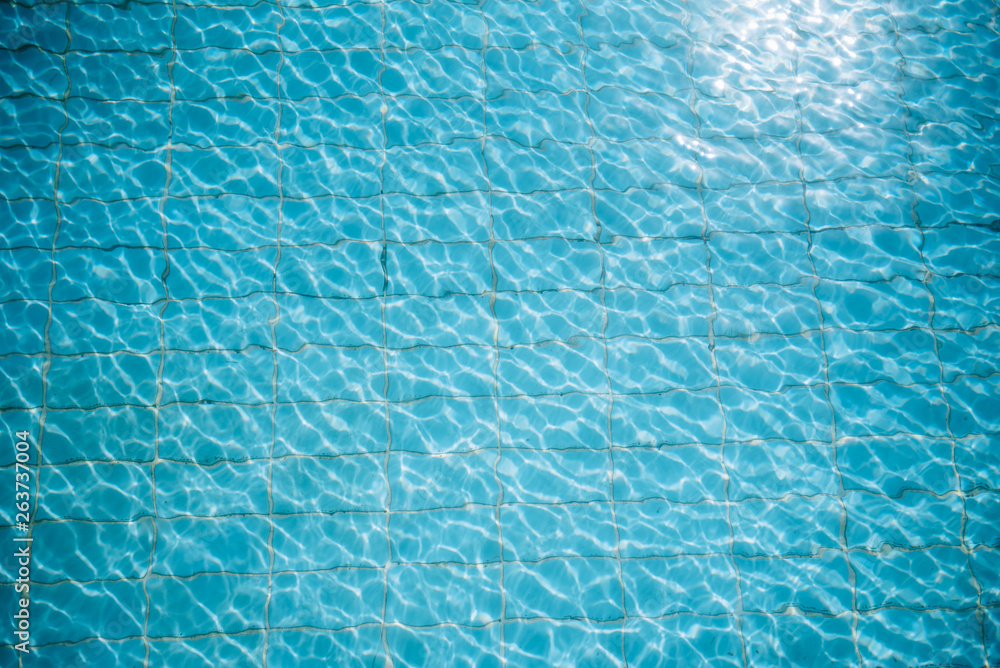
(566, 333)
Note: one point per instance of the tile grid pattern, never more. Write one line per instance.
(158, 399)
(713, 316)
(385, 350)
(843, 520)
(496, 356)
(385, 401)
(273, 324)
(604, 336)
(963, 545)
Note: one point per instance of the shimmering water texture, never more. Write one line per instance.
(616, 333)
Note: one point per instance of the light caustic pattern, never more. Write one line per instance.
(504, 333)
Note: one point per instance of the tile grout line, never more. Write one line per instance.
(598, 233)
(497, 512)
(158, 399)
(458, 625)
(980, 610)
(805, 334)
(272, 325)
(738, 611)
(47, 339)
(852, 577)
(383, 259)
(762, 556)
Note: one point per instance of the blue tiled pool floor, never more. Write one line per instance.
(569, 333)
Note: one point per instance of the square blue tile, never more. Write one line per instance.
(443, 424)
(450, 320)
(643, 366)
(644, 163)
(446, 72)
(207, 324)
(125, 550)
(554, 476)
(209, 221)
(243, 377)
(920, 638)
(209, 651)
(328, 485)
(210, 433)
(531, 533)
(212, 72)
(890, 465)
(747, 259)
(815, 584)
(659, 587)
(531, 118)
(426, 482)
(98, 434)
(322, 374)
(353, 648)
(192, 545)
(184, 489)
(452, 645)
(123, 275)
(414, 595)
(322, 542)
(327, 220)
(677, 417)
(434, 25)
(416, 121)
(563, 589)
(333, 428)
(683, 474)
(235, 171)
(446, 217)
(793, 526)
(796, 414)
(568, 421)
(534, 317)
(657, 528)
(461, 371)
(207, 600)
(553, 368)
(433, 169)
(357, 25)
(933, 578)
(798, 640)
(685, 638)
(654, 264)
(125, 379)
(65, 612)
(771, 363)
(329, 73)
(885, 408)
(514, 168)
(913, 520)
(332, 600)
(773, 469)
(544, 642)
(547, 264)
(765, 309)
(349, 269)
(535, 68)
(435, 269)
(663, 211)
(453, 535)
(121, 492)
(317, 171)
(561, 214)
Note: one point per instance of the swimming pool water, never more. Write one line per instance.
(566, 333)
